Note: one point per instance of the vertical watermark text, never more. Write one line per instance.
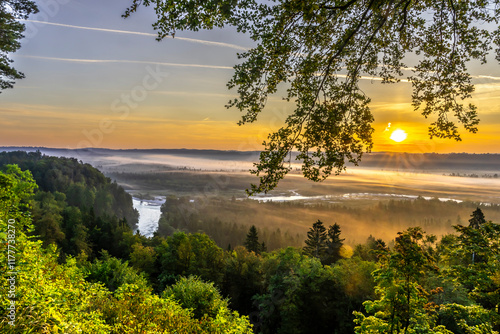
(12, 272)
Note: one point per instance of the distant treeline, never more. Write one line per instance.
(285, 223)
(208, 215)
(185, 182)
(474, 175)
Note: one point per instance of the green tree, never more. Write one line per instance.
(333, 245)
(55, 298)
(189, 254)
(400, 307)
(242, 278)
(143, 258)
(113, 272)
(252, 241)
(316, 240)
(11, 11)
(480, 277)
(319, 50)
(201, 297)
(47, 211)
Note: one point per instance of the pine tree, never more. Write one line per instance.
(252, 243)
(316, 240)
(263, 247)
(477, 219)
(333, 245)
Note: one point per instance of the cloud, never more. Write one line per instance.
(485, 77)
(103, 61)
(192, 40)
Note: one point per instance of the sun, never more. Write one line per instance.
(398, 135)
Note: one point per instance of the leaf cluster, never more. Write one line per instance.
(319, 51)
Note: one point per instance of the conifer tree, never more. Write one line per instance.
(477, 219)
(333, 245)
(252, 243)
(316, 240)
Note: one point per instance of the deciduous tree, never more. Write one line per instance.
(318, 50)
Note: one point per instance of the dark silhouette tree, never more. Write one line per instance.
(333, 245)
(252, 243)
(321, 49)
(316, 240)
(477, 219)
(11, 31)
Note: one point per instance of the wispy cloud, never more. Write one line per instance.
(192, 40)
(104, 61)
(489, 77)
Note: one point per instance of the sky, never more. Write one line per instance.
(95, 79)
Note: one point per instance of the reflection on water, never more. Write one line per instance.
(350, 196)
(149, 214)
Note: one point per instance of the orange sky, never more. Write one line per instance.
(114, 86)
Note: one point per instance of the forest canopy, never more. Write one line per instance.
(320, 50)
(76, 207)
(185, 283)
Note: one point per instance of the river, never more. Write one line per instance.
(149, 214)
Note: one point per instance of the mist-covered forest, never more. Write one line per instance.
(217, 266)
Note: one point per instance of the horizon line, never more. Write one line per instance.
(211, 149)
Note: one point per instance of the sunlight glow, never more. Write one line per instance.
(398, 135)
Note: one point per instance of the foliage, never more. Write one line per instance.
(415, 287)
(11, 11)
(319, 50)
(252, 241)
(76, 208)
(189, 254)
(48, 297)
(477, 218)
(56, 298)
(461, 319)
(143, 258)
(480, 273)
(333, 245)
(368, 251)
(112, 273)
(202, 298)
(324, 245)
(402, 303)
(303, 296)
(226, 222)
(316, 240)
(16, 191)
(243, 278)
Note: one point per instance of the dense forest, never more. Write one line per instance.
(97, 276)
(75, 206)
(283, 224)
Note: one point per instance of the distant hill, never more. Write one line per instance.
(76, 207)
(426, 162)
